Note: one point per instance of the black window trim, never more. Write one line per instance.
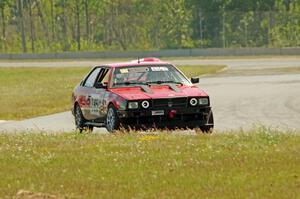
(97, 77)
(101, 75)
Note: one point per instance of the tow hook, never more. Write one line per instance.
(172, 113)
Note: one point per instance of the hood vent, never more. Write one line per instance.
(146, 89)
(174, 88)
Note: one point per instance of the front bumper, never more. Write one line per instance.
(190, 117)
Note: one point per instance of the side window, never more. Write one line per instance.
(104, 76)
(89, 82)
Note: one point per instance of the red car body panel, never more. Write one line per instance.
(158, 91)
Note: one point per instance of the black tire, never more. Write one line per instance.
(90, 128)
(208, 128)
(112, 122)
(79, 119)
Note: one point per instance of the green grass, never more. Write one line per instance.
(162, 58)
(29, 92)
(194, 71)
(257, 164)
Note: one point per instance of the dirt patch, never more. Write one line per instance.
(23, 194)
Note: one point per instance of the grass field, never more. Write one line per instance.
(162, 58)
(257, 164)
(28, 92)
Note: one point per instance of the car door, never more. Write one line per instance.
(88, 89)
(99, 94)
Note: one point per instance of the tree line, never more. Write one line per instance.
(98, 25)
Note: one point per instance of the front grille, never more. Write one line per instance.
(170, 102)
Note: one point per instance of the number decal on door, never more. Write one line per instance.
(95, 104)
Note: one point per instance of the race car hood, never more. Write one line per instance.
(157, 91)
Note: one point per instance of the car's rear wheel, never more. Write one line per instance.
(80, 121)
(112, 122)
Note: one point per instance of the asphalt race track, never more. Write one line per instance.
(245, 95)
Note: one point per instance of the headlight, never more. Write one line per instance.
(193, 102)
(203, 101)
(145, 104)
(133, 105)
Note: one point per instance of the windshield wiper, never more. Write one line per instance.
(130, 83)
(164, 82)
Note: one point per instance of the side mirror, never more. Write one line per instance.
(195, 80)
(100, 85)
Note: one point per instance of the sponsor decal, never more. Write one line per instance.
(159, 68)
(138, 70)
(124, 70)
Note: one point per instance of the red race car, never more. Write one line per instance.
(144, 93)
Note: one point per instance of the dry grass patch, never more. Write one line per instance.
(257, 164)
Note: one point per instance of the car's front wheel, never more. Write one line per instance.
(210, 121)
(112, 122)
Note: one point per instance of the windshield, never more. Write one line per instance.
(147, 75)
